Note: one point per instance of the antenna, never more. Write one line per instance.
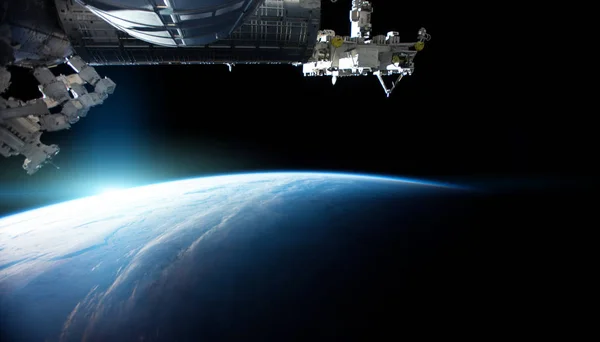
(51, 163)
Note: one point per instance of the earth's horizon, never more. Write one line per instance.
(242, 256)
(119, 190)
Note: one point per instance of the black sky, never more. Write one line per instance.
(454, 119)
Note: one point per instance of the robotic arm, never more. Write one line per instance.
(22, 123)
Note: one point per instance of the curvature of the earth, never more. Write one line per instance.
(245, 257)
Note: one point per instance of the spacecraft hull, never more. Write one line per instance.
(140, 32)
(173, 22)
(31, 34)
(277, 31)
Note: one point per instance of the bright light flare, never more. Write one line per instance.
(110, 192)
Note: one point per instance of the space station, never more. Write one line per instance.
(42, 34)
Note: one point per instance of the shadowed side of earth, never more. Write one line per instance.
(325, 266)
(300, 258)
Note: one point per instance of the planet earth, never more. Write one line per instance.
(267, 256)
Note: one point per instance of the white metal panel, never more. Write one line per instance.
(230, 8)
(145, 18)
(195, 16)
(151, 39)
(368, 58)
(118, 22)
